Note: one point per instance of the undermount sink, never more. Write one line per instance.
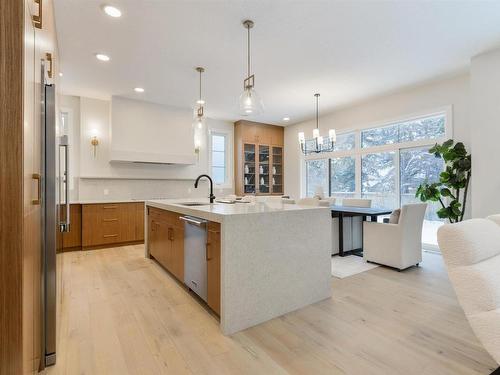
(189, 204)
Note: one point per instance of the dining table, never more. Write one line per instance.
(349, 211)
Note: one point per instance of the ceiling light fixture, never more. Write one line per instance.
(319, 144)
(60, 74)
(138, 89)
(112, 11)
(102, 57)
(250, 101)
(286, 119)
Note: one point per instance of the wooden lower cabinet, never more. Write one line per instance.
(73, 239)
(213, 266)
(166, 240)
(166, 245)
(112, 224)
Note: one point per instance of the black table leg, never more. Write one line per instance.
(341, 234)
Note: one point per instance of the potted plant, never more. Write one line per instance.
(451, 190)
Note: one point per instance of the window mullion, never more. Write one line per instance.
(329, 177)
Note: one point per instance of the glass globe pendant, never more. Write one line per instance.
(250, 101)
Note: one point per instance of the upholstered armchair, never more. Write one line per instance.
(396, 245)
(471, 250)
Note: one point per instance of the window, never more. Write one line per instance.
(343, 177)
(317, 176)
(346, 141)
(378, 179)
(416, 167)
(385, 164)
(219, 157)
(379, 136)
(430, 127)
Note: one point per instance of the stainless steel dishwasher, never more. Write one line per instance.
(195, 260)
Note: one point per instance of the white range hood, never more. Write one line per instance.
(118, 156)
(143, 132)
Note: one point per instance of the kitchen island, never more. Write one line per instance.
(274, 257)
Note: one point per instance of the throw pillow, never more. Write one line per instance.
(394, 218)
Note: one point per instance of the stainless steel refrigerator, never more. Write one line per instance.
(56, 218)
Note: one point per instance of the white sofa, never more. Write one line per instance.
(471, 250)
(396, 245)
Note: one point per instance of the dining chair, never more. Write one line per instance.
(396, 245)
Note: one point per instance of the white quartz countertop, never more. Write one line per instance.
(218, 212)
(104, 201)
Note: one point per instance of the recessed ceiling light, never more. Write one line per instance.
(138, 89)
(112, 11)
(102, 57)
(60, 74)
(286, 118)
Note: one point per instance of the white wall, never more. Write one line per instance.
(428, 97)
(485, 126)
(100, 179)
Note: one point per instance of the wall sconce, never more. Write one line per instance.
(94, 142)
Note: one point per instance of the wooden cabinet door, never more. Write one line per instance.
(73, 238)
(277, 170)
(152, 237)
(177, 254)
(249, 132)
(213, 267)
(160, 245)
(139, 221)
(31, 305)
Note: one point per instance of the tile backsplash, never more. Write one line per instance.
(113, 189)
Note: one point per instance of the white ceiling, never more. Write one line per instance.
(346, 50)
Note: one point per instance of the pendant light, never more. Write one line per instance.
(199, 116)
(319, 143)
(250, 101)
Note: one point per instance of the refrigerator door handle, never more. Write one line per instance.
(64, 179)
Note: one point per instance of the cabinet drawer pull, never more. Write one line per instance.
(37, 19)
(110, 235)
(108, 220)
(38, 177)
(108, 207)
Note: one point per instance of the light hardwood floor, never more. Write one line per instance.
(120, 313)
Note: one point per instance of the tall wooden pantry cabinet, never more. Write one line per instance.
(258, 158)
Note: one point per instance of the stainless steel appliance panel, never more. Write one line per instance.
(195, 261)
(50, 225)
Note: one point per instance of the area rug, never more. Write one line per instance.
(350, 265)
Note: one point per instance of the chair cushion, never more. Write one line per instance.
(394, 218)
